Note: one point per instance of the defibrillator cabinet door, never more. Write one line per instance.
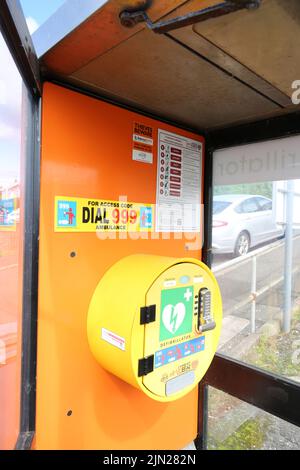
(184, 335)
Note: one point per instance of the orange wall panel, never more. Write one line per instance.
(87, 152)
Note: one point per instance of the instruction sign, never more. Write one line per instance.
(178, 190)
(92, 215)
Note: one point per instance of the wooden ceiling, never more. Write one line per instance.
(228, 70)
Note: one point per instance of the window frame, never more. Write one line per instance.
(269, 392)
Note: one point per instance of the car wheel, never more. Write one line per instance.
(242, 245)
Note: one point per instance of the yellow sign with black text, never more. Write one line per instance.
(74, 214)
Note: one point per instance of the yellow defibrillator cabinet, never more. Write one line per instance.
(155, 322)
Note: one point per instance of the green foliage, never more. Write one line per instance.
(262, 189)
(275, 353)
(249, 436)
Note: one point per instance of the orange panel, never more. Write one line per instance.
(87, 152)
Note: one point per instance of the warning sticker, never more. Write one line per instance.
(178, 190)
(92, 215)
(113, 338)
(142, 143)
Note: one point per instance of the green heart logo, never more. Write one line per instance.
(176, 312)
(173, 316)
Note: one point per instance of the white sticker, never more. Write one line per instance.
(178, 190)
(113, 338)
(142, 140)
(140, 156)
(170, 283)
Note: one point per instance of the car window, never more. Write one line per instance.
(264, 204)
(239, 209)
(249, 205)
(220, 206)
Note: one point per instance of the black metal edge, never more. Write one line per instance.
(16, 34)
(201, 439)
(266, 129)
(25, 440)
(30, 281)
(135, 109)
(267, 391)
(208, 201)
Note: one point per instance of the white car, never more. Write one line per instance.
(241, 221)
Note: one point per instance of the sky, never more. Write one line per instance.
(36, 12)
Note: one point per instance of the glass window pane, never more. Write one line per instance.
(236, 425)
(256, 254)
(11, 228)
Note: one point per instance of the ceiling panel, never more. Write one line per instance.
(156, 72)
(265, 40)
(224, 71)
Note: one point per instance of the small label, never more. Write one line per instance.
(198, 279)
(170, 283)
(179, 383)
(139, 155)
(113, 338)
(142, 140)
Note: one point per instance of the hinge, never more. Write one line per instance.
(148, 314)
(146, 365)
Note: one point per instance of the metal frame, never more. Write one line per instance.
(30, 280)
(267, 129)
(270, 392)
(15, 32)
(267, 391)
